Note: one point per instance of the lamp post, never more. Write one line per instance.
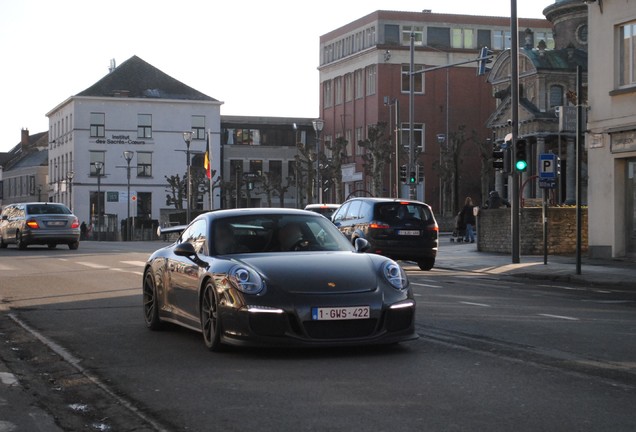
(187, 137)
(318, 124)
(98, 170)
(69, 180)
(441, 139)
(128, 155)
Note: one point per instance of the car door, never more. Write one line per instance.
(184, 275)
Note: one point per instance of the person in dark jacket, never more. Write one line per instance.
(495, 201)
(468, 216)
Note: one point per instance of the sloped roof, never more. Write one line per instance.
(566, 59)
(32, 159)
(18, 152)
(139, 79)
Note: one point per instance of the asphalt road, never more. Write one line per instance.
(494, 354)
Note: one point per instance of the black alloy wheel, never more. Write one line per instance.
(426, 263)
(151, 306)
(210, 322)
(73, 245)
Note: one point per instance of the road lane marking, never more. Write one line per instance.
(426, 285)
(121, 270)
(92, 265)
(134, 263)
(4, 267)
(559, 317)
(475, 304)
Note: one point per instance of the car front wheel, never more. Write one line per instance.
(210, 322)
(73, 245)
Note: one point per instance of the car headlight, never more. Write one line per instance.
(246, 280)
(395, 275)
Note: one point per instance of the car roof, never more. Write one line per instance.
(387, 200)
(217, 214)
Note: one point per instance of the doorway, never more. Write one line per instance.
(630, 206)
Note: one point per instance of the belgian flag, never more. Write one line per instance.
(206, 160)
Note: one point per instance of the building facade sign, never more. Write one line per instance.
(119, 139)
(623, 141)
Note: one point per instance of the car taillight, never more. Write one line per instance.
(433, 228)
(32, 223)
(75, 224)
(378, 225)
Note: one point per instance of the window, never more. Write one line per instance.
(359, 82)
(418, 32)
(97, 156)
(501, 39)
(144, 126)
(627, 55)
(144, 164)
(418, 79)
(418, 135)
(246, 137)
(144, 205)
(546, 37)
(256, 167)
(392, 34)
(359, 137)
(348, 87)
(198, 127)
(371, 80)
(276, 169)
(98, 122)
(327, 95)
(438, 37)
(338, 90)
(463, 38)
(556, 96)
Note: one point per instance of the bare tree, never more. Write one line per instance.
(377, 155)
(338, 150)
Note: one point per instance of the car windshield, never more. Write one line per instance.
(46, 209)
(276, 233)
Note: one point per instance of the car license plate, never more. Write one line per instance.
(56, 223)
(408, 232)
(340, 313)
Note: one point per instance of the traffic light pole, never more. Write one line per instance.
(514, 96)
(412, 194)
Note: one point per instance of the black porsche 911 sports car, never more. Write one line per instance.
(276, 277)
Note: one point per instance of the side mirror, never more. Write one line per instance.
(362, 245)
(186, 249)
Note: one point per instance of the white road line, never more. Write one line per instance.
(475, 304)
(6, 267)
(121, 270)
(134, 263)
(426, 285)
(92, 265)
(559, 317)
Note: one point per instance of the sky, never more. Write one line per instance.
(258, 57)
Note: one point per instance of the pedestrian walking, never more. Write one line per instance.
(468, 216)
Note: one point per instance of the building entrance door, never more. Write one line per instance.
(630, 205)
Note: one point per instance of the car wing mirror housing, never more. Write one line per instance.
(361, 245)
(186, 249)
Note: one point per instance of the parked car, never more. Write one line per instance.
(399, 229)
(41, 223)
(327, 210)
(280, 277)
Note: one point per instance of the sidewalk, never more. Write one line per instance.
(466, 257)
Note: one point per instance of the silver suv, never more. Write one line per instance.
(39, 223)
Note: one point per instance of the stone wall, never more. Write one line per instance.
(494, 231)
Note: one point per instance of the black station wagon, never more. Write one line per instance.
(398, 229)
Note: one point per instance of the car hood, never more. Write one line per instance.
(316, 272)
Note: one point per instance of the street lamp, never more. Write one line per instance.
(187, 137)
(318, 124)
(128, 155)
(441, 139)
(69, 180)
(98, 171)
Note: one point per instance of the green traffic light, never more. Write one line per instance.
(521, 165)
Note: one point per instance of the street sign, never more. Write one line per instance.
(547, 166)
(547, 183)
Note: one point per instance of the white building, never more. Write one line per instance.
(137, 108)
(611, 135)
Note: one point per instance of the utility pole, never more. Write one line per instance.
(411, 163)
(514, 96)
